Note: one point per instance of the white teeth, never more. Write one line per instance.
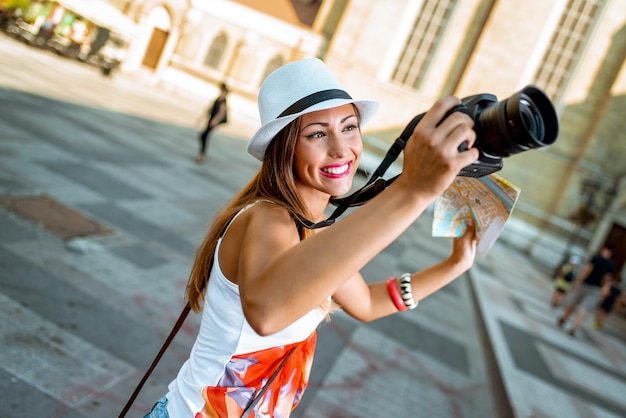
(336, 170)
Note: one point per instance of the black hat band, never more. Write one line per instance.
(315, 98)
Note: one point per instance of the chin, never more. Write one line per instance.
(343, 191)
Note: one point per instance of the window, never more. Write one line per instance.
(566, 45)
(216, 51)
(274, 64)
(420, 46)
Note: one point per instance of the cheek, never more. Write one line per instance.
(307, 153)
(356, 146)
(303, 159)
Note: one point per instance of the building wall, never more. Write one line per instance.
(253, 39)
(487, 46)
(512, 37)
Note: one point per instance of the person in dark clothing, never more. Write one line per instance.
(586, 288)
(611, 291)
(564, 279)
(218, 114)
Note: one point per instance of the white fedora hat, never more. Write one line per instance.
(295, 89)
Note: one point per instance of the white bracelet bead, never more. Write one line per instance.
(405, 291)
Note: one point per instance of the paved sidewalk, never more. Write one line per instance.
(82, 317)
(546, 372)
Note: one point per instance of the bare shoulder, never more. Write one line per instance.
(256, 237)
(262, 222)
(270, 219)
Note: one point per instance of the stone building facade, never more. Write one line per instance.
(409, 53)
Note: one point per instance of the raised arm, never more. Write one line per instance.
(280, 289)
(368, 302)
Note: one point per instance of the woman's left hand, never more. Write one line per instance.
(464, 248)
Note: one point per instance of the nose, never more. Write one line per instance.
(338, 147)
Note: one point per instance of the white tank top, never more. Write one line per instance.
(224, 332)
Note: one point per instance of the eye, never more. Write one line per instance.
(316, 135)
(350, 128)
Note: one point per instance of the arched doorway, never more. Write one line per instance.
(160, 22)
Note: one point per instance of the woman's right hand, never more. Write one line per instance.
(431, 156)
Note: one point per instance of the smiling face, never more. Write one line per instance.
(327, 152)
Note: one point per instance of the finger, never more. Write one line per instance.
(471, 228)
(439, 110)
(468, 157)
(453, 134)
(459, 146)
(460, 127)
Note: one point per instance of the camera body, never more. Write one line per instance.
(486, 163)
(524, 121)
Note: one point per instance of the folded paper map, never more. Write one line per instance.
(488, 200)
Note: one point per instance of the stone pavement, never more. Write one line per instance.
(83, 316)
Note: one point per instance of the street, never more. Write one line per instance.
(109, 162)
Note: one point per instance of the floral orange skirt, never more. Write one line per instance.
(248, 373)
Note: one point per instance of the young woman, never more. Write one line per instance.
(264, 282)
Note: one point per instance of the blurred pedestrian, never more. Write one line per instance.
(217, 114)
(610, 293)
(563, 280)
(586, 288)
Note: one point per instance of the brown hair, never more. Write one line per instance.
(274, 182)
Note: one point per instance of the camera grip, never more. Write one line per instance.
(410, 127)
(401, 140)
(463, 109)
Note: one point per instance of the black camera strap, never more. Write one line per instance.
(258, 395)
(181, 319)
(179, 322)
(170, 337)
(374, 186)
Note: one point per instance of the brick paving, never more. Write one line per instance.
(83, 316)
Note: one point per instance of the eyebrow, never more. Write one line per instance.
(325, 123)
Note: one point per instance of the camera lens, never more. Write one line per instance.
(531, 119)
(524, 121)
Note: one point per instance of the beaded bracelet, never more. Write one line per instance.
(394, 293)
(405, 290)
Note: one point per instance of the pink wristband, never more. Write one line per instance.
(394, 293)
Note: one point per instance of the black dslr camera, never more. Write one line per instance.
(524, 121)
